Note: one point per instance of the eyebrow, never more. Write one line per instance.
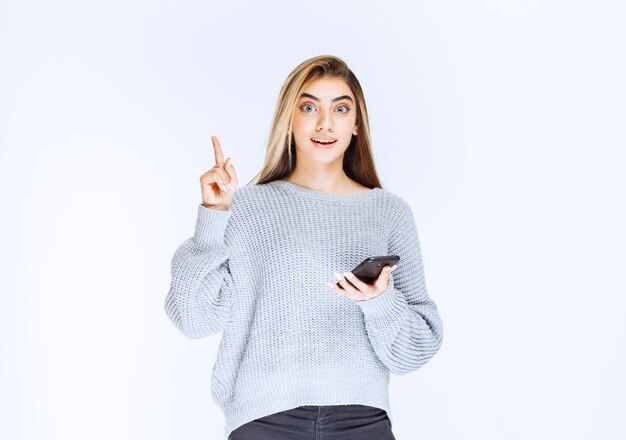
(338, 98)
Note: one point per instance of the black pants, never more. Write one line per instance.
(335, 422)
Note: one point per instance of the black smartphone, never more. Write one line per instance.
(369, 269)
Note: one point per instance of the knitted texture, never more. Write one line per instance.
(258, 272)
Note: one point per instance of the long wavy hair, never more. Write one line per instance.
(280, 156)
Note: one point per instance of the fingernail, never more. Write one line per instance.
(387, 269)
(348, 275)
(330, 285)
(231, 187)
(338, 276)
(394, 267)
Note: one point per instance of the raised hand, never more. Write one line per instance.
(218, 185)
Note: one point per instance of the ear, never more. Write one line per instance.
(354, 131)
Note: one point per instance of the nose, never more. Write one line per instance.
(325, 121)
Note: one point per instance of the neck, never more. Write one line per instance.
(325, 180)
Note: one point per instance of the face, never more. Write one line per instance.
(325, 111)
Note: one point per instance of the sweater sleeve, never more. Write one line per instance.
(199, 299)
(403, 323)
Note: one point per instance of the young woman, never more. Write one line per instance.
(300, 356)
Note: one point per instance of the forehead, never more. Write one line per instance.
(327, 88)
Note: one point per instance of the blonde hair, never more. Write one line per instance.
(280, 158)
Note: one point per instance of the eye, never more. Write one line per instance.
(347, 109)
(304, 106)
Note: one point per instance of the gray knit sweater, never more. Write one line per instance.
(258, 272)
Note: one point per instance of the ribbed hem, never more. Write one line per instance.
(210, 225)
(281, 392)
(390, 304)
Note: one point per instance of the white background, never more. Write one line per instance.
(501, 122)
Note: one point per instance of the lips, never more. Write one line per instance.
(323, 146)
(324, 140)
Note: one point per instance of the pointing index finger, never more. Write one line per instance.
(217, 148)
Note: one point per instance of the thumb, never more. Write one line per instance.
(383, 279)
(230, 170)
(386, 274)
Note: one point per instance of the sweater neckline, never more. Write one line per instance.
(319, 195)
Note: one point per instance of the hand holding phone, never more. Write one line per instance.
(369, 269)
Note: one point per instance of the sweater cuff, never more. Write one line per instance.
(210, 226)
(390, 304)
